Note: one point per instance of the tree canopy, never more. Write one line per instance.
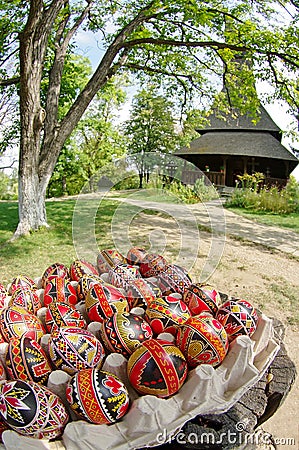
(188, 47)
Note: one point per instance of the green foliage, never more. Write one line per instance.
(205, 192)
(130, 182)
(8, 186)
(252, 182)
(280, 201)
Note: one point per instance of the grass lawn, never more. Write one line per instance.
(289, 221)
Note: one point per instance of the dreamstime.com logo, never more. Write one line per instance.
(88, 237)
(228, 438)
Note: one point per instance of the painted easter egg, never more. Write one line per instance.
(55, 270)
(136, 255)
(3, 296)
(238, 318)
(16, 322)
(32, 410)
(59, 289)
(72, 349)
(26, 298)
(97, 396)
(109, 258)
(122, 274)
(124, 332)
(141, 292)
(173, 279)
(85, 283)
(167, 314)
(157, 367)
(103, 301)
(26, 360)
(203, 340)
(2, 372)
(61, 314)
(22, 281)
(201, 298)
(80, 267)
(151, 265)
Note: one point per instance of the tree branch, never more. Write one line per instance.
(10, 81)
(8, 167)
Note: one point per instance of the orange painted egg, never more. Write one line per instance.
(26, 298)
(61, 314)
(203, 340)
(16, 322)
(124, 332)
(167, 314)
(59, 289)
(157, 367)
(97, 396)
(26, 360)
(32, 410)
(80, 267)
(72, 349)
(103, 301)
(201, 298)
(109, 258)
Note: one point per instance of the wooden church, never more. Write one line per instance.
(232, 147)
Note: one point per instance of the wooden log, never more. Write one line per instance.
(239, 428)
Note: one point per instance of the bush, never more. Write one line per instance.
(204, 192)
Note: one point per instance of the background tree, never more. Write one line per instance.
(185, 46)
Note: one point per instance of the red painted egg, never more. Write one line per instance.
(173, 279)
(2, 372)
(121, 275)
(61, 314)
(141, 292)
(201, 298)
(3, 296)
(103, 301)
(85, 283)
(32, 410)
(124, 332)
(97, 396)
(203, 340)
(80, 267)
(59, 290)
(16, 322)
(238, 318)
(167, 314)
(151, 265)
(136, 255)
(26, 298)
(72, 349)
(109, 258)
(26, 360)
(55, 270)
(158, 368)
(22, 281)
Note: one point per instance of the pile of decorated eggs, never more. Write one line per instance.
(73, 317)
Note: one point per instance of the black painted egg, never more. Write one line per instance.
(26, 298)
(124, 332)
(85, 283)
(32, 410)
(141, 292)
(238, 318)
(16, 322)
(97, 396)
(26, 360)
(109, 258)
(167, 314)
(158, 368)
(122, 274)
(203, 340)
(59, 289)
(201, 298)
(72, 349)
(80, 267)
(103, 301)
(173, 279)
(55, 270)
(61, 314)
